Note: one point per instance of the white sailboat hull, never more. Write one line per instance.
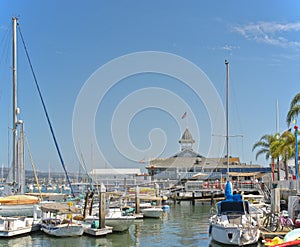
(63, 230)
(234, 235)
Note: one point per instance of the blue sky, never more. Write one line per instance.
(69, 41)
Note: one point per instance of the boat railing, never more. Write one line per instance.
(216, 184)
(287, 184)
(238, 219)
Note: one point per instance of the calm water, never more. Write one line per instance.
(183, 225)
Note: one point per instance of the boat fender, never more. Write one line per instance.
(209, 229)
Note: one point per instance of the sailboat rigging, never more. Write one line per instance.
(17, 122)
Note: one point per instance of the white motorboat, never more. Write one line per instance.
(150, 211)
(94, 230)
(14, 226)
(114, 218)
(232, 224)
(61, 225)
(19, 215)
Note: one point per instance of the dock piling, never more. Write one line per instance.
(102, 206)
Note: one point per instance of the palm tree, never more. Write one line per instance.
(284, 147)
(265, 143)
(294, 109)
(275, 150)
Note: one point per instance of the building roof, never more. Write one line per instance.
(186, 137)
(178, 162)
(187, 153)
(120, 171)
(188, 162)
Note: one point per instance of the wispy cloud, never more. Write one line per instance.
(2, 27)
(272, 33)
(230, 47)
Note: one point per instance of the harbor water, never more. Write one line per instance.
(182, 225)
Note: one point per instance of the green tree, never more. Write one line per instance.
(294, 109)
(284, 147)
(264, 144)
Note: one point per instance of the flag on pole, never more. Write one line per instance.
(184, 115)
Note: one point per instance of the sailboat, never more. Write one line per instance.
(18, 212)
(232, 224)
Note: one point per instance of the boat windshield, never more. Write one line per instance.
(238, 207)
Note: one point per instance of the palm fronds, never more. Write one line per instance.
(294, 109)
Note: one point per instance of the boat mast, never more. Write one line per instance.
(277, 125)
(227, 116)
(14, 69)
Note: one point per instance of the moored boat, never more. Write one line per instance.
(59, 228)
(60, 225)
(18, 205)
(150, 211)
(14, 226)
(94, 230)
(114, 218)
(232, 224)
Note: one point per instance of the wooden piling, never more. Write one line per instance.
(102, 206)
(275, 200)
(157, 194)
(125, 185)
(86, 203)
(193, 198)
(137, 200)
(91, 204)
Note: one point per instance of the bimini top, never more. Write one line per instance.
(60, 208)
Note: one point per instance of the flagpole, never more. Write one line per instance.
(187, 121)
(185, 115)
(296, 153)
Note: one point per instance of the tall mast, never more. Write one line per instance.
(277, 125)
(227, 116)
(14, 69)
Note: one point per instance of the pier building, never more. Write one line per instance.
(188, 164)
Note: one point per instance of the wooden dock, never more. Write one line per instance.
(270, 235)
(204, 195)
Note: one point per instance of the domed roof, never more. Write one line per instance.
(186, 137)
